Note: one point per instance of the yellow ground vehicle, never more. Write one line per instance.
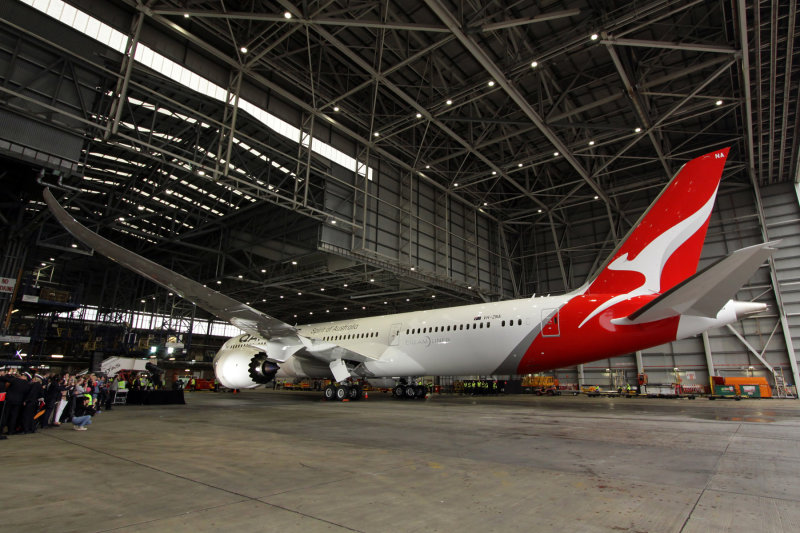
(541, 385)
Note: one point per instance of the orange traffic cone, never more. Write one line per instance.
(366, 395)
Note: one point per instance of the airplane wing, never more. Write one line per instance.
(240, 315)
(283, 338)
(705, 293)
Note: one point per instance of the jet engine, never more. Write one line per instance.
(262, 371)
(242, 370)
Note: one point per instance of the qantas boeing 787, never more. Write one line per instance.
(647, 293)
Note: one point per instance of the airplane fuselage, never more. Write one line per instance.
(498, 338)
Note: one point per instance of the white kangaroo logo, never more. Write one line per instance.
(651, 260)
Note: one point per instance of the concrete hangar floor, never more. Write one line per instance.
(268, 460)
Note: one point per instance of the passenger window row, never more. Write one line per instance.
(351, 336)
(431, 329)
(459, 327)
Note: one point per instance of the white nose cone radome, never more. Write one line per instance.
(733, 311)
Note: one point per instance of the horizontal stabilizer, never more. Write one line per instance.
(705, 293)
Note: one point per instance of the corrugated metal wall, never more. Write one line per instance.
(402, 219)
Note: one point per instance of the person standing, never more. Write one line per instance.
(112, 392)
(76, 391)
(52, 397)
(33, 398)
(66, 387)
(102, 394)
(15, 397)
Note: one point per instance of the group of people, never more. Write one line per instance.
(33, 401)
(143, 381)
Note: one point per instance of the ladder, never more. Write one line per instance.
(780, 384)
(618, 379)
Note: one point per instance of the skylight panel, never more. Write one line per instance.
(119, 159)
(185, 118)
(99, 180)
(95, 168)
(103, 33)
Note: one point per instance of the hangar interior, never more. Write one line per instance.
(331, 160)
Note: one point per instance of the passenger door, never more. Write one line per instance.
(394, 334)
(550, 325)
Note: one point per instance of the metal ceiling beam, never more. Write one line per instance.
(313, 21)
(787, 84)
(645, 85)
(553, 15)
(638, 107)
(499, 76)
(773, 75)
(300, 103)
(610, 41)
(671, 111)
(397, 66)
(413, 104)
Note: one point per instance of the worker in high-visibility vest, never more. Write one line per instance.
(84, 410)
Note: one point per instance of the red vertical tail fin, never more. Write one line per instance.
(663, 247)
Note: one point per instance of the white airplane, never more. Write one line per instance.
(646, 294)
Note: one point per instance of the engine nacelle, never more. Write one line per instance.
(242, 370)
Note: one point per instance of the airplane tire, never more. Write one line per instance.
(355, 393)
(330, 392)
(411, 392)
(419, 391)
(399, 391)
(342, 393)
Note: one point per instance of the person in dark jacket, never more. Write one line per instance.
(84, 410)
(31, 405)
(15, 396)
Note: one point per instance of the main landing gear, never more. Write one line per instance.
(343, 391)
(409, 392)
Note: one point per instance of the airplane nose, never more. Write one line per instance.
(743, 309)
